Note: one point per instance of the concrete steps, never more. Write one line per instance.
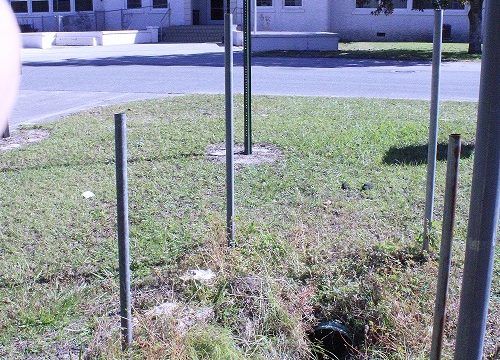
(193, 34)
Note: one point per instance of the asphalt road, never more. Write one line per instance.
(63, 80)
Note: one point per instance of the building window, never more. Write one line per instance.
(264, 2)
(61, 5)
(429, 4)
(83, 5)
(293, 2)
(19, 6)
(40, 6)
(134, 4)
(372, 4)
(366, 3)
(160, 4)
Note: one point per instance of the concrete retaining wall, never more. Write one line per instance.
(320, 41)
(90, 38)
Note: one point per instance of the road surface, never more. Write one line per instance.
(63, 80)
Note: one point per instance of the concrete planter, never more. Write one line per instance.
(45, 40)
(274, 40)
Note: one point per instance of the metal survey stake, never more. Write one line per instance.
(433, 125)
(450, 204)
(247, 78)
(228, 60)
(485, 199)
(123, 230)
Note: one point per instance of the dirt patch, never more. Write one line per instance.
(21, 138)
(261, 154)
(184, 317)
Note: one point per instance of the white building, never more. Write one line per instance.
(352, 19)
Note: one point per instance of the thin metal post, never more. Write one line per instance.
(433, 126)
(228, 42)
(450, 202)
(485, 199)
(123, 231)
(6, 132)
(255, 15)
(247, 78)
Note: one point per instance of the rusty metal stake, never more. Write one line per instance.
(450, 201)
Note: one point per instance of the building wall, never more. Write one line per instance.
(403, 25)
(119, 17)
(341, 16)
(313, 15)
(109, 15)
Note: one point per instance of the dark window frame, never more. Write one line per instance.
(19, 8)
(160, 4)
(294, 3)
(84, 5)
(265, 3)
(134, 4)
(59, 9)
(42, 6)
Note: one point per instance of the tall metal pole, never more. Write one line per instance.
(228, 42)
(247, 78)
(123, 231)
(255, 15)
(433, 126)
(485, 198)
(450, 202)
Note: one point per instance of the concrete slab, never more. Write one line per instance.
(45, 40)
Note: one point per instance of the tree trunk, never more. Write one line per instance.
(475, 26)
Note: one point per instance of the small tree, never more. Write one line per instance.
(475, 17)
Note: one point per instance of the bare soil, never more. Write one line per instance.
(261, 154)
(23, 137)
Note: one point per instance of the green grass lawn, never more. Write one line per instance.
(385, 51)
(307, 250)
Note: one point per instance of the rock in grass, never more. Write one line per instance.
(345, 185)
(200, 275)
(184, 316)
(166, 309)
(367, 186)
(88, 194)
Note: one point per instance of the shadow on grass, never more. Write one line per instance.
(379, 54)
(417, 154)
